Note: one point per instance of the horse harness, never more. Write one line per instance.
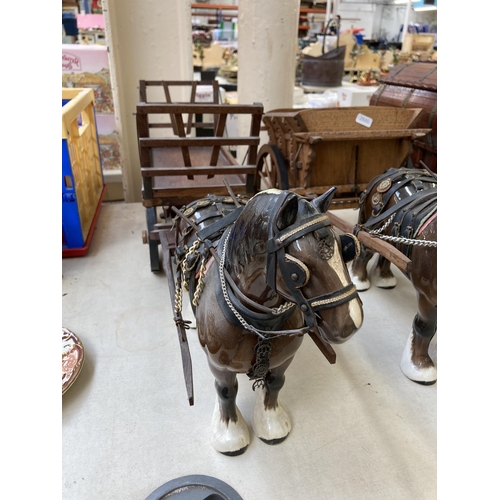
(252, 317)
(409, 214)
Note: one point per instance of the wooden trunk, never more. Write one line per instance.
(414, 85)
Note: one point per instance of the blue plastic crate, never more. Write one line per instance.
(82, 180)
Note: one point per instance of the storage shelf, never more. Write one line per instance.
(223, 7)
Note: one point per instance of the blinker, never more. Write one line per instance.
(297, 270)
(350, 247)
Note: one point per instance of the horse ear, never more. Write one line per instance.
(322, 203)
(288, 212)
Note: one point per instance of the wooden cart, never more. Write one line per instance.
(310, 150)
(182, 168)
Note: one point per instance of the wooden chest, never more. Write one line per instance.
(414, 85)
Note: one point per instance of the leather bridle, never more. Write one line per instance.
(295, 273)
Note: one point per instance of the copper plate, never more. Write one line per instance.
(72, 358)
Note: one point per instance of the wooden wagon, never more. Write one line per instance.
(310, 150)
(180, 168)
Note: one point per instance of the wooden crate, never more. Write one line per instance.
(82, 181)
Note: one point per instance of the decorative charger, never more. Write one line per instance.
(72, 358)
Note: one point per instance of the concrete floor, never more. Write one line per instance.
(361, 430)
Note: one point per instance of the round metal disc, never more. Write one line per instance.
(384, 185)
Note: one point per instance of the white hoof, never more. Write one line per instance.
(381, 282)
(272, 426)
(361, 286)
(422, 375)
(229, 438)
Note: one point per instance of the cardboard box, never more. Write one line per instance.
(355, 96)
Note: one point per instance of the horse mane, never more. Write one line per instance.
(250, 231)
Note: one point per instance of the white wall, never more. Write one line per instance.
(357, 15)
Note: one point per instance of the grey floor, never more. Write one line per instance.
(361, 430)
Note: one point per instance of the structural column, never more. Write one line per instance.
(147, 40)
(267, 47)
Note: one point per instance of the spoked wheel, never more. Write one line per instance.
(271, 169)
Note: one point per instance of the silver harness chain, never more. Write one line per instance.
(399, 239)
(277, 310)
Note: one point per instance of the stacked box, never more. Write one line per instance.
(82, 181)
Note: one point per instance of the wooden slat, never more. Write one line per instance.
(156, 108)
(208, 125)
(169, 100)
(167, 92)
(198, 141)
(316, 137)
(175, 83)
(198, 192)
(142, 91)
(201, 170)
(182, 134)
(192, 100)
(215, 86)
(143, 133)
(219, 130)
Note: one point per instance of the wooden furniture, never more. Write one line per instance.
(311, 150)
(180, 169)
(414, 85)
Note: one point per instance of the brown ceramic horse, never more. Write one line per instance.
(279, 272)
(401, 207)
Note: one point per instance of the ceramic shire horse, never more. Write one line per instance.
(278, 273)
(400, 206)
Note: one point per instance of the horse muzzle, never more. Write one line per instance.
(335, 325)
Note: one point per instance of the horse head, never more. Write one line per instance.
(290, 247)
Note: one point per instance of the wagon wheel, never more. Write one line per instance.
(271, 169)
